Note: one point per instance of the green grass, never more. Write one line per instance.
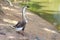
(36, 8)
(45, 10)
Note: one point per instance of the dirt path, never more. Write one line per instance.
(36, 27)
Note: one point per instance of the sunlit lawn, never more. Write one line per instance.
(45, 9)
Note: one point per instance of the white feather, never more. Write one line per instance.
(19, 29)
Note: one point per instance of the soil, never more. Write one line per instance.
(36, 29)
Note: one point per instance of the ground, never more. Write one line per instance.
(36, 29)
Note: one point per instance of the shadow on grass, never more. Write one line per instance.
(36, 8)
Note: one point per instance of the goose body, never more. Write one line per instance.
(21, 24)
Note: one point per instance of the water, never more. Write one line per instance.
(57, 17)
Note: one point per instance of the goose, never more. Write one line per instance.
(20, 26)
